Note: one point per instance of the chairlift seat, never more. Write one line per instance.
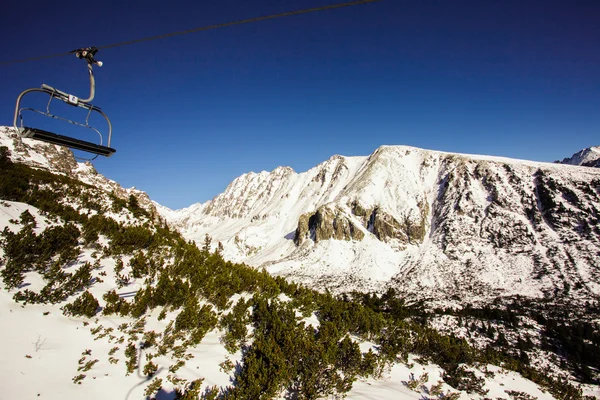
(67, 141)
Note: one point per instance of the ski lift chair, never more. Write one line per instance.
(98, 149)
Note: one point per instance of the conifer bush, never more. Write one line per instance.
(85, 305)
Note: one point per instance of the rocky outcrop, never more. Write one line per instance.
(326, 224)
(385, 227)
(39, 154)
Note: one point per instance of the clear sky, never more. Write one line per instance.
(190, 113)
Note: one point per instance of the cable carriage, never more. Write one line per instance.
(99, 148)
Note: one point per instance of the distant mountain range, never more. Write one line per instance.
(432, 225)
(589, 157)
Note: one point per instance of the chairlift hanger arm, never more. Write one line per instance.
(88, 54)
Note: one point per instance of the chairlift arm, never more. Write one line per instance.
(88, 55)
(69, 97)
(92, 85)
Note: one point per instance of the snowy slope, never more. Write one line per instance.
(45, 351)
(43, 364)
(431, 224)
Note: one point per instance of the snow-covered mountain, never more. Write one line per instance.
(430, 224)
(589, 157)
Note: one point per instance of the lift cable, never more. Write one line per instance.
(203, 28)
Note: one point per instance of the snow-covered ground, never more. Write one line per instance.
(42, 351)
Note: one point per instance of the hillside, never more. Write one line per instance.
(60, 160)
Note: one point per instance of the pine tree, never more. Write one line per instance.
(207, 243)
(28, 219)
(5, 157)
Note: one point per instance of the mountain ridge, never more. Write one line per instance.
(421, 221)
(198, 205)
(416, 219)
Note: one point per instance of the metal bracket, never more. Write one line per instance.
(72, 100)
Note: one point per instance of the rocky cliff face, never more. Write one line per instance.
(248, 191)
(325, 224)
(430, 224)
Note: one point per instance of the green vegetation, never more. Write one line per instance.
(566, 332)
(153, 388)
(84, 305)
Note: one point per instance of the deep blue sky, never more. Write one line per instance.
(190, 113)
